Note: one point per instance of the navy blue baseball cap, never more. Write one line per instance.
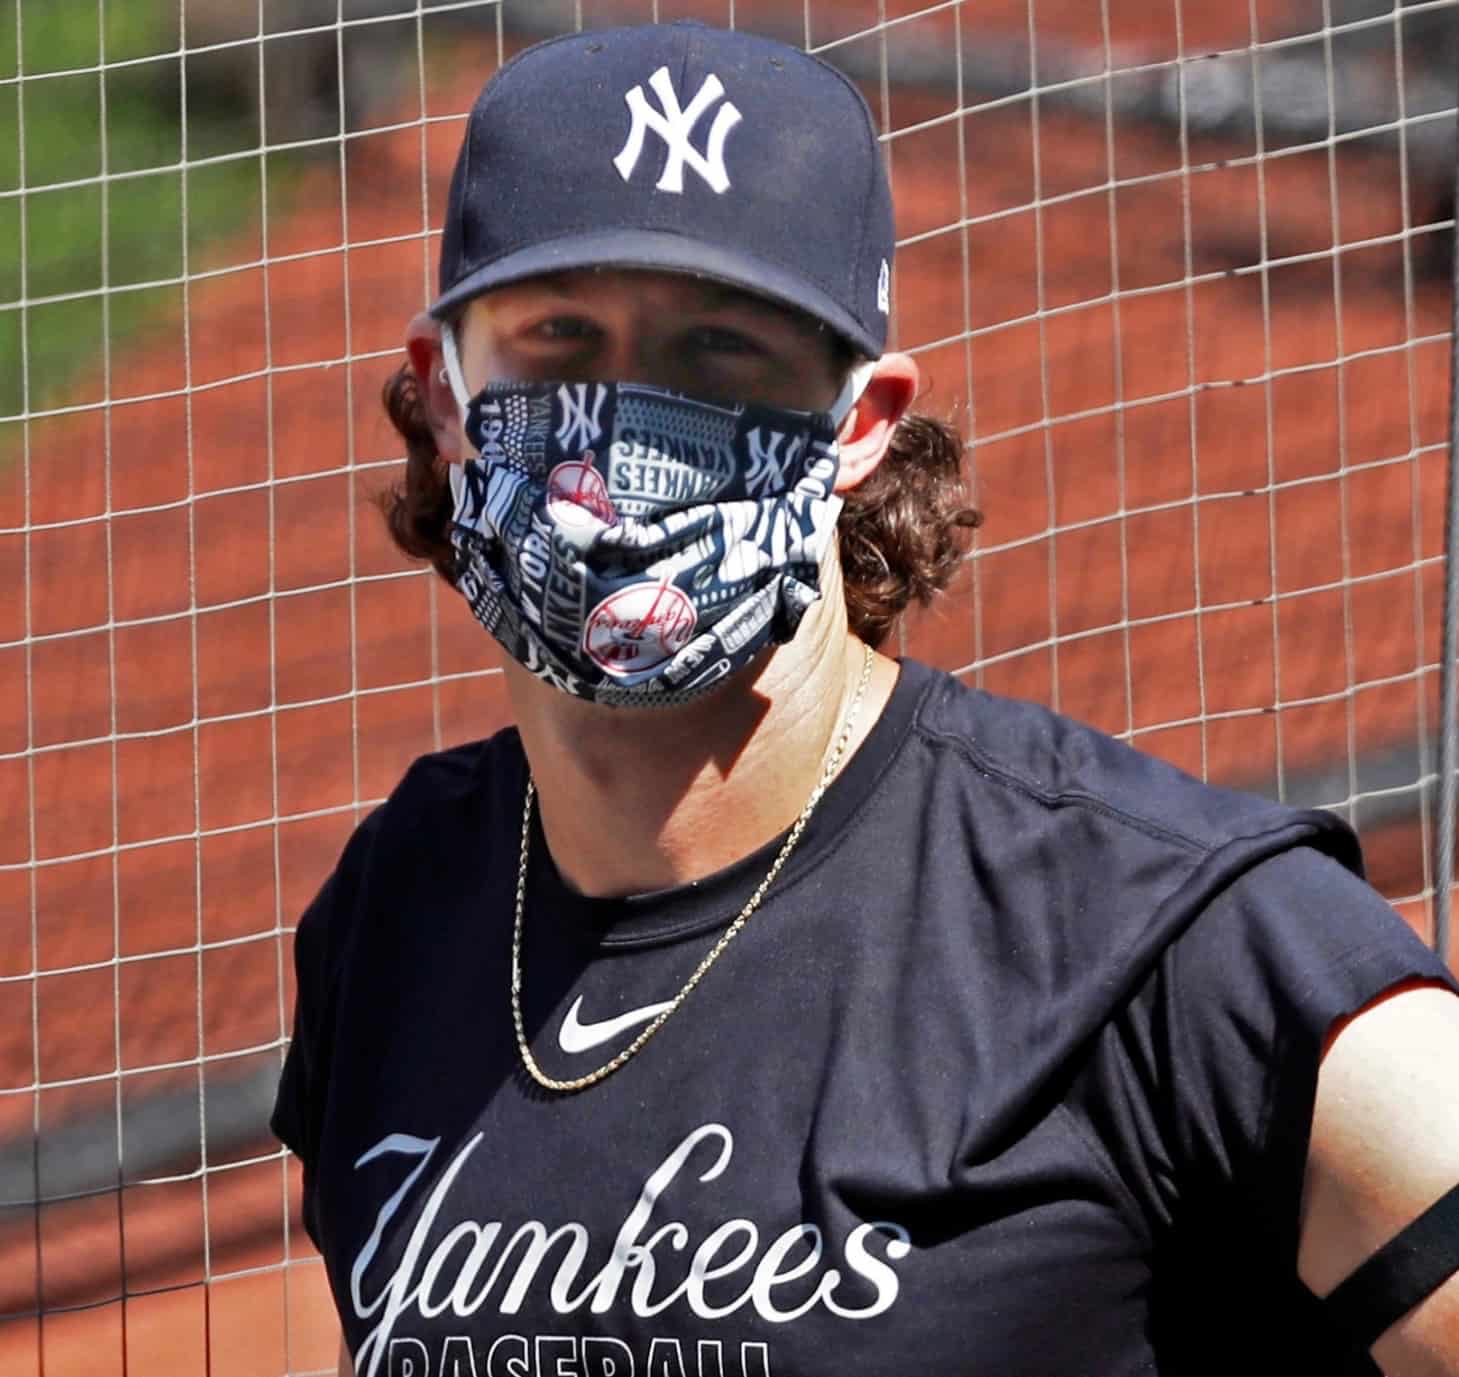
(682, 148)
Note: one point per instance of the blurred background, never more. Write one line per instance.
(1180, 272)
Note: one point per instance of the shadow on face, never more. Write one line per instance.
(664, 329)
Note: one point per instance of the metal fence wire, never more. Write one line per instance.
(1183, 274)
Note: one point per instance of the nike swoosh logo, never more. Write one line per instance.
(576, 1036)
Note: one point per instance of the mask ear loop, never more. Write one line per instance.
(453, 367)
(455, 377)
(851, 390)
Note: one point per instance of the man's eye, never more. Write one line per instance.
(571, 328)
(717, 340)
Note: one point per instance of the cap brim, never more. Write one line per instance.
(667, 252)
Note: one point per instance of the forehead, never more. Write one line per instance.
(684, 292)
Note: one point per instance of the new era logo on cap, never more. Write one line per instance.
(675, 126)
(681, 148)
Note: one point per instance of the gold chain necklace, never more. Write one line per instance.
(603, 1072)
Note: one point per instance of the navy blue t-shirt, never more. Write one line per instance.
(1011, 1073)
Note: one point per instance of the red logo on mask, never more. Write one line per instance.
(577, 495)
(638, 628)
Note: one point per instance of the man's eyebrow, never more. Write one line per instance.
(723, 294)
(574, 283)
(720, 295)
(566, 282)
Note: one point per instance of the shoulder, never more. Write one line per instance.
(448, 796)
(1078, 779)
(468, 775)
(1100, 859)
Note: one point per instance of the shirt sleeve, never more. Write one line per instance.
(1206, 1084)
(319, 944)
(1248, 994)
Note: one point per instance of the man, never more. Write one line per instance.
(759, 1004)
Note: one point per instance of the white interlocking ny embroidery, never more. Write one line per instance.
(767, 466)
(580, 426)
(674, 125)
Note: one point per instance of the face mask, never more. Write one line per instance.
(633, 546)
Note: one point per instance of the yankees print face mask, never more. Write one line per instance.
(633, 546)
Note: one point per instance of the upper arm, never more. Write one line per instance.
(346, 1364)
(1384, 1146)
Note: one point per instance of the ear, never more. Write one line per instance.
(866, 433)
(423, 345)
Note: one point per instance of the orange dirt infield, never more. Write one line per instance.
(219, 660)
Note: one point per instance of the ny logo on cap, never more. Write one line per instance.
(674, 125)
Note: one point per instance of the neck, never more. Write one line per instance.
(640, 799)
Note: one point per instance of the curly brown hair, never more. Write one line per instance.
(902, 532)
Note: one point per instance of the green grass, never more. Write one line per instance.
(64, 240)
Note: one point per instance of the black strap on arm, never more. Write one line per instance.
(1399, 1275)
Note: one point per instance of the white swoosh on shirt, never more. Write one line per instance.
(582, 1037)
